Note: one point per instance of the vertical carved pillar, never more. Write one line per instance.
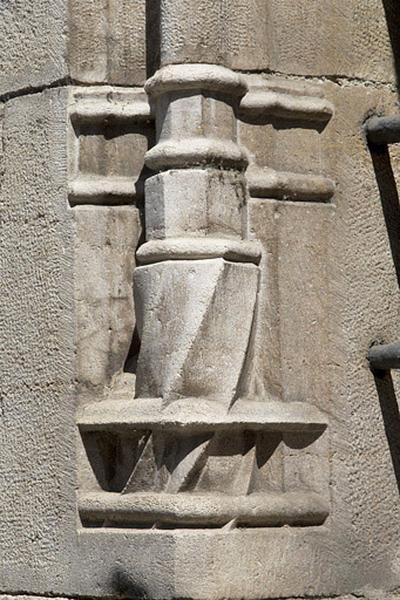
(197, 287)
(199, 445)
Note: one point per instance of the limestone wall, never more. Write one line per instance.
(75, 126)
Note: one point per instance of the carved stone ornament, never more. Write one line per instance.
(196, 441)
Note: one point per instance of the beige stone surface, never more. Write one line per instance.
(37, 352)
(229, 32)
(296, 37)
(90, 41)
(106, 240)
(329, 287)
(33, 46)
(352, 39)
(107, 41)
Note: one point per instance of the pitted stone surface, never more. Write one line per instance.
(33, 44)
(37, 351)
(328, 229)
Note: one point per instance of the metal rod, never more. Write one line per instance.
(384, 357)
(383, 130)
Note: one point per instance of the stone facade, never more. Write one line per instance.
(199, 246)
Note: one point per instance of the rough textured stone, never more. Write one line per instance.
(90, 41)
(233, 33)
(258, 455)
(37, 348)
(106, 239)
(33, 47)
(323, 38)
(107, 41)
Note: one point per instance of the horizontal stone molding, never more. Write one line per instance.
(199, 77)
(196, 151)
(108, 126)
(197, 248)
(271, 509)
(103, 103)
(199, 414)
(288, 100)
(282, 185)
(104, 190)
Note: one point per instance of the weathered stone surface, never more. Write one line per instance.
(260, 456)
(37, 352)
(106, 240)
(202, 356)
(360, 595)
(33, 44)
(303, 38)
(90, 41)
(228, 32)
(195, 203)
(107, 41)
(365, 266)
(324, 38)
(116, 41)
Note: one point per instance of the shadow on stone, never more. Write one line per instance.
(392, 13)
(133, 354)
(391, 211)
(390, 200)
(391, 417)
(126, 587)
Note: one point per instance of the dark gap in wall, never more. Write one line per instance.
(133, 354)
(153, 36)
(392, 12)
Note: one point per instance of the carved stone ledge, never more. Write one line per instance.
(199, 248)
(104, 190)
(297, 508)
(197, 415)
(198, 151)
(281, 185)
(110, 131)
(101, 103)
(196, 76)
(289, 100)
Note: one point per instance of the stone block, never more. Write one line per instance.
(202, 356)
(107, 41)
(310, 37)
(196, 202)
(33, 47)
(90, 41)
(37, 358)
(106, 239)
(232, 33)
